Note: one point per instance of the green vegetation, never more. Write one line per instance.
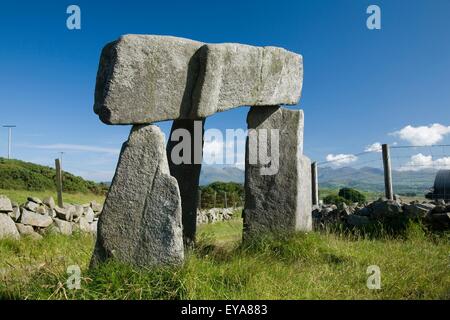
(335, 199)
(352, 195)
(20, 196)
(213, 195)
(20, 175)
(299, 266)
(370, 196)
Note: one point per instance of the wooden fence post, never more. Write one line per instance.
(314, 184)
(59, 183)
(387, 172)
(225, 199)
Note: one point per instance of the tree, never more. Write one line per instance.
(352, 195)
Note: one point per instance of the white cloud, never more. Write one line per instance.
(230, 151)
(423, 135)
(374, 147)
(420, 162)
(341, 159)
(75, 147)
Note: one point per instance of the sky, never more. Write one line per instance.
(361, 87)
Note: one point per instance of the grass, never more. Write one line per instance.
(299, 266)
(20, 196)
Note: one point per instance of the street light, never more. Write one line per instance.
(9, 126)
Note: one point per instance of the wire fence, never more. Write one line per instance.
(413, 171)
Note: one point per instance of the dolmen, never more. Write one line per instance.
(150, 212)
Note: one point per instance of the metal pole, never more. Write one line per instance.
(9, 143)
(314, 184)
(387, 172)
(9, 126)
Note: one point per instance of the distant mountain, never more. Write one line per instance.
(212, 173)
(364, 179)
(372, 179)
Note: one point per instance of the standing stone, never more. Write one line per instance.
(7, 227)
(189, 140)
(279, 201)
(141, 220)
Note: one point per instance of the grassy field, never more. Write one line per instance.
(20, 196)
(301, 266)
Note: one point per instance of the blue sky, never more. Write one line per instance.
(360, 85)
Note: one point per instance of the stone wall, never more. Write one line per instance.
(36, 217)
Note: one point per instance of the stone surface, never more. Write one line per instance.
(357, 221)
(64, 227)
(279, 202)
(96, 206)
(63, 213)
(384, 208)
(49, 202)
(31, 206)
(35, 200)
(417, 210)
(24, 229)
(83, 223)
(145, 78)
(187, 172)
(234, 75)
(5, 204)
(89, 214)
(35, 219)
(15, 214)
(78, 211)
(7, 227)
(141, 219)
(93, 226)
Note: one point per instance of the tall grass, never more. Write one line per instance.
(312, 265)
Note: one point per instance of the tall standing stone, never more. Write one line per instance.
(141, 219)
(184, 153)
(281, 201)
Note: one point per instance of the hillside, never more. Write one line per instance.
(21, 175)
(210, 174)
(368, 179)
(372, 179)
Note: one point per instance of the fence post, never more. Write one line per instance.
(314, 184)
(59, 183)
(387, 172)
(225, 200)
